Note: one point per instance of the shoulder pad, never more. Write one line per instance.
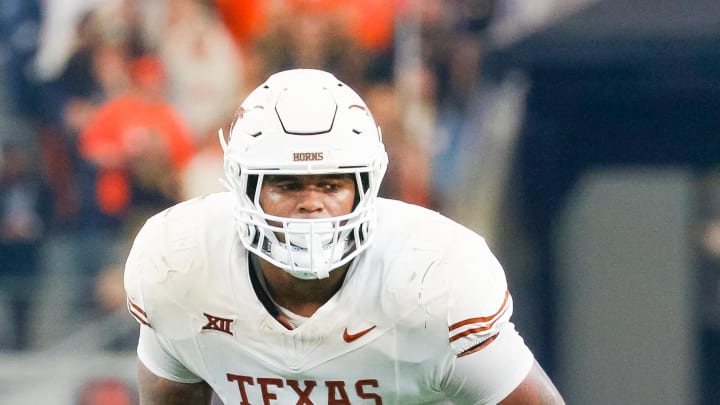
(161, 268)
(469, 285)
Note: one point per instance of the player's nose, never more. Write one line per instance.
(311, 201)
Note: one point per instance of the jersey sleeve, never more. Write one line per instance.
(479, 302)
(137, 265)
(486, 358)
(154, 354)
(145, 270)
(162, 250)
(488, 375)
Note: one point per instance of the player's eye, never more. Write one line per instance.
(338, 184)
(289, 186)
(331, 187)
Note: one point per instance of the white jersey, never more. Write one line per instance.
(423, 316)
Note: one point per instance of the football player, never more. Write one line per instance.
(299, 285)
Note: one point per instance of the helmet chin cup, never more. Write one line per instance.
(308, 235)
(309, 248)
(311, 245)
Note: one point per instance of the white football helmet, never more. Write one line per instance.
(302, 122)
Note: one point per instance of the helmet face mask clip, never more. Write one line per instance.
(304, 122)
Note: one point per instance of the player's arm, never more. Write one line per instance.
(156, 390)
(535, 389)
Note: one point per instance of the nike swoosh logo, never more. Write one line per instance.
(351, 337)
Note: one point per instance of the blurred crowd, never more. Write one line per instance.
(111, 110)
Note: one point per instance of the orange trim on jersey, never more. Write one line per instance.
(488, 321)
(137, 312)
(137, 308)
(471, 331)
(483, 318)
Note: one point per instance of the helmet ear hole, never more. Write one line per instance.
(252, 183)
(365, 180)
(361, 188)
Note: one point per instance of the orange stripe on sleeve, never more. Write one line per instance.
(483, 319)
(137, 312)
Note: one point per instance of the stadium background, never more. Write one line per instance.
(581, 137)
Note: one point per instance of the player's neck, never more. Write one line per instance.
(302, 297)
